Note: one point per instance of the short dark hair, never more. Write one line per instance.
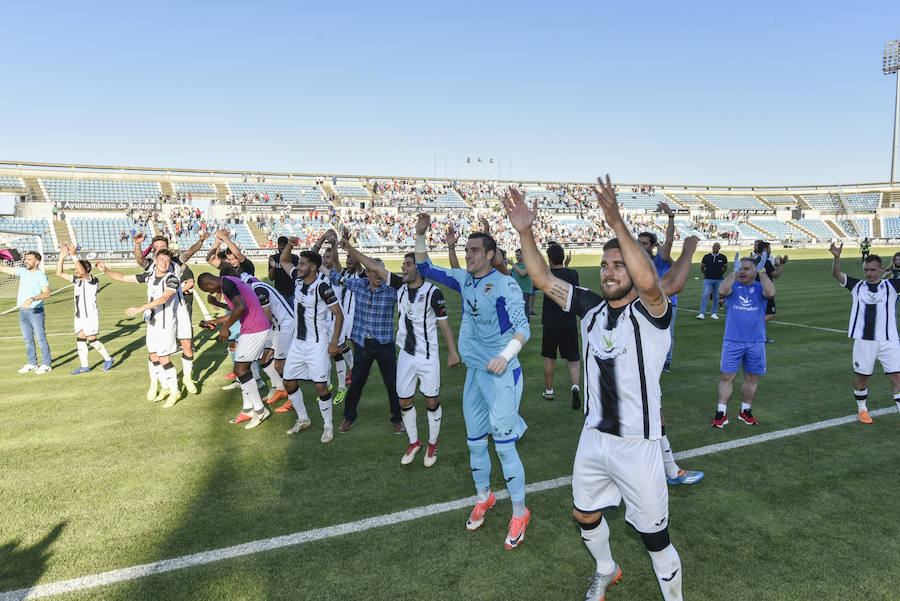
(611, 243)
(651, 236)
(760, 245)
(34, 254)
(164, 251)
(488, 241)
(873, 259)
(313, 257)
(410, 256)
(160, 239)
(282, 240)
(203, 277)
(85, 264)
(555, 254)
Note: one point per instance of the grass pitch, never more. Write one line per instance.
(96, 478)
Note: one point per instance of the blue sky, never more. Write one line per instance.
(764, 93)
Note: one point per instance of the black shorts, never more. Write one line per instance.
(564, 338)
(770, 307)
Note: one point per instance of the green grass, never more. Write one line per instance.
(96, 478)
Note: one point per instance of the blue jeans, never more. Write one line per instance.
(672, 334)
(32, 323)
(710, 287)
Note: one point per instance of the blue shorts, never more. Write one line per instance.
(752, 355)
(491, 405)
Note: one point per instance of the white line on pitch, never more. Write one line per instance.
(783, 323)
(289, 540)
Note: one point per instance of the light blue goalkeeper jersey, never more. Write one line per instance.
(492, 311)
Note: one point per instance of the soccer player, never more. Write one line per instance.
(662, 261)
(184, 330)
(494, 329)
(713, 265)
(560, 330)
(315, 337)
(331, 260)
(873, 327)
(163, 296)
(33, 289)
(281, 280)
(87, 313)
(774, 265)
(232, 262)
(746, 295)
(280, 314)
(624, 336)
(246, 309)
(421, 310)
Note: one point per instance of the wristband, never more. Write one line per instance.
(512, 349)
(420, 244)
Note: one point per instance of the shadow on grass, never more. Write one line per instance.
(23, 566)
(208, 356)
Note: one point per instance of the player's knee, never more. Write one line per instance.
(432, 403)
(655, 541)
(244, 377)
(91, 339)
(291, 386)
(588, 520)
(321, 388)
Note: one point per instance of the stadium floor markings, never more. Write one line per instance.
(782, 323)
(317, 534)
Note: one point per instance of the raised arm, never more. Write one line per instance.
(368, 262)
(452, 239)
(63, 251)
(232, 246)
(522, 219)
(192, 250)
(836, 272)
(665, 251)
(637, 261)
(139, 257)
(212, 257)
(727, 284)
(674, 279)
(767, 284)
(422, 224)
(285, 258)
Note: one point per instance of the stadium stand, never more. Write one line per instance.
(817, 228)
(780, 199)
(94, 190)
(635, 201)
(193, 188)
(302, 194)
(890, 227)
(351, 190)
(12, 183)
(107, 233)
(748, 232)
(864, 226)
(688, 200)
(736, 203)
(37, 227)
(780, 229)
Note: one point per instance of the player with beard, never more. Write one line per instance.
(184, 331)
(625, 339)
(163, 296)
(315, 337)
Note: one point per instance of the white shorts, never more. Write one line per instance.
(90, 325)
(183, 328)
(411, 369)
(307, 361)
(609, 468)
(866, 351)
(250, 346)
(161, 340)
(279, 340)
(346, 329)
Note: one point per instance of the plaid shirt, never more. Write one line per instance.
(373, 315)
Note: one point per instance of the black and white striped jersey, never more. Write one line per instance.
(86, 297)
(162, 315)
(419, 310)
(873, 314)
(624, 352)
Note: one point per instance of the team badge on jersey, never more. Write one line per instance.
(488, 288)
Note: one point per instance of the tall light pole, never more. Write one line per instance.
(891, 66)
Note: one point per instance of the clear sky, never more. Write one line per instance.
(724, 93)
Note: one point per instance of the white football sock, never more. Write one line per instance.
(668, 457)
(667, 566)
(81, 346)
(434, 424)
(409, 420)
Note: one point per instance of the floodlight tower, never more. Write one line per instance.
(891, 66)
